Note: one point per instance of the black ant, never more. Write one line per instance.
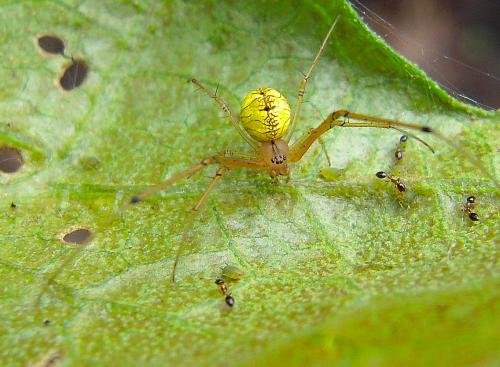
(398, 154)
(225, 291)
(401, 147)
(469, 205)
(395, 180)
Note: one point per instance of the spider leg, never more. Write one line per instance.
(211, 185)
(303, 83)
(199, 203)
(342, 118)
(229, 115)
(227, 162)
(325, 151)
(161, 186)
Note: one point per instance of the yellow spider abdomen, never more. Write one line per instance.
(265, 114)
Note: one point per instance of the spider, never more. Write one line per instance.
(266, 122)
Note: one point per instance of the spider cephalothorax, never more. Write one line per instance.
(274, 154)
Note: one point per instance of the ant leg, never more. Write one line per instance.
(223, 105)
(199, 203)
(303, 83)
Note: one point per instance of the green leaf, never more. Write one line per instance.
(337, 265)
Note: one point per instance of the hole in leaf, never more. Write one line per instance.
(77, 236)
(74, 75)
(51, 44)
(10, 160)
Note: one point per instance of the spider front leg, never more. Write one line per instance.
(211, 185)
(226, 162)
(227, 111)
(189, 222)
(302, 88)
(342, 118)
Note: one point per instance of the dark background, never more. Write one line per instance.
(457, 42)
